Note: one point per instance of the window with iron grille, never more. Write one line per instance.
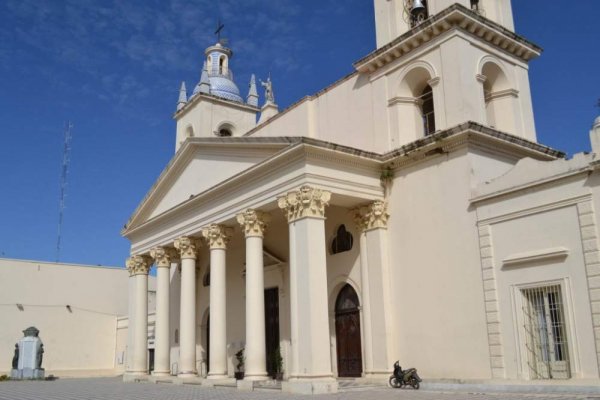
(546, 333)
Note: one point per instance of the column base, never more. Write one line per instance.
(310, 386)
(256, 377)
(190, 374)
(135, 376)
(217, 376)
(161, 373)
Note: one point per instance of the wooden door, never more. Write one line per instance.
(271, 327)
(347, 333)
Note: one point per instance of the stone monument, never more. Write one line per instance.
(29, 352)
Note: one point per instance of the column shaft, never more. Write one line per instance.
(187, 321)
(162, 347)
(218, 334)
(256, 366)
(140, 335)
(366, 305)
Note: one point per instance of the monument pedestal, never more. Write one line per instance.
(27, 361)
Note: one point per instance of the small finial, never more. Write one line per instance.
(252, 98)
(182, 97)
(204, 81)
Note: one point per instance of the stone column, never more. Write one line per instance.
(162, 259)
(311, 355)
(254, 225)
(138, 267)
(187, 321)
(377, 326)
(217, 236)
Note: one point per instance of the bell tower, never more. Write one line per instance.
(448, 62)
(395, 17)
(216, 106)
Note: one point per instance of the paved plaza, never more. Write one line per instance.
(115, 389)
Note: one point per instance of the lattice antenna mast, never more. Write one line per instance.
(63, 183)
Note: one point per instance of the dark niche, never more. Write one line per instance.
(342, 241)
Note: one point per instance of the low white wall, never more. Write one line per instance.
(77, 341)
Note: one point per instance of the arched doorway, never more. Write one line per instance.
(347, 333)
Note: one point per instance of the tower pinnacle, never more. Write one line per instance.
(182, 97)
(252, 98)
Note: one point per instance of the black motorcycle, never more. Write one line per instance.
(404, 377)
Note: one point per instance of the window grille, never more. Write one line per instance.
(546, 333)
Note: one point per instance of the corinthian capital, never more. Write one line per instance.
(253, 222)
(187, 247)
(163, 256)
(217, 235)
(306, 202)
(138, 265)
(371, 216)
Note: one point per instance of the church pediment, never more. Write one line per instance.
(199, 166)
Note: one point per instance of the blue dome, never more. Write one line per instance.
(222, 86)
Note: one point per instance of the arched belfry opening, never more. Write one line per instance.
(415, 104)
(427, 110)
(347, 333)
(499, 97)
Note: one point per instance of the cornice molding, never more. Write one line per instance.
(212, 99)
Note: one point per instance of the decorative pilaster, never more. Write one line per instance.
(138, 267)
(306, 202)
(254, 224)
(217, 236)
(372, 221)
(188, 248)
(162, 258)
(371, 216)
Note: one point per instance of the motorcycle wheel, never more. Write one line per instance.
(394, 382)
(414, 383)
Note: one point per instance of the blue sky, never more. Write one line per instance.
(114, 67)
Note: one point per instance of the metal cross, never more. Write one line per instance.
(220, 27)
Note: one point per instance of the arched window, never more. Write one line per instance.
(415, 103)
(221, 65)
(427, 111)
(225, 130)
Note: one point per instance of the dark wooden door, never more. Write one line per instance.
(347, 333)
(271, 327)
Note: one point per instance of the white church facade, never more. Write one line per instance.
(405, 212)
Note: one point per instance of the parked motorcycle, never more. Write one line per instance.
(404, 377)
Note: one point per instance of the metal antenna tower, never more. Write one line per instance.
(63, 183)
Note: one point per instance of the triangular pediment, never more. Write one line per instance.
(196, 168)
